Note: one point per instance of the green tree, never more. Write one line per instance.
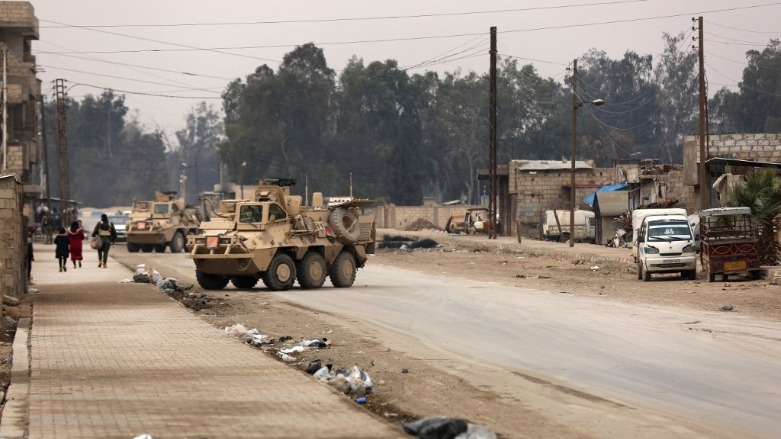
(762, 193)
(198, 148)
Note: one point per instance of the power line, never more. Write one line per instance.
(338, 20)
(744, 63)
(753, 43)
(126, 78)
(745, 30)
(144, 93)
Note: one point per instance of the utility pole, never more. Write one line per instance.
(62, 148)
(575, 102)
(492, 142)
(45, 150)
(704, 180)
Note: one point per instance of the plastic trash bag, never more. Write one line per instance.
(316, 342)
(285, 357)
(255, 338)
(475, 431)
(436, 427)
(324, 373)
(293, 350)
(358, 382)
(237, 330)
(141, 278)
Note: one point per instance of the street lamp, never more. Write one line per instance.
(576, 103)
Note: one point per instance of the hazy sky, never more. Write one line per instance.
(152, 46)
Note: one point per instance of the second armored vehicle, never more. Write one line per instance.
(156, 225)
(275, 239)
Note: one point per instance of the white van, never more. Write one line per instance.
(663, 243)
(552, 230)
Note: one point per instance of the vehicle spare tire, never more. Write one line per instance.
(344, 223)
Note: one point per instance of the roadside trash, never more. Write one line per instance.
(141, 278)
(285, 357)
(424, 243)
(32, 290)
(143, 436)
(285, 338)
(126, 281)
(361, 400)
(316, 342)
(594, 267)
(313, 367)
(436, 427)
(293, 350)
(353, 381)
(726, 308)
(251, 336)
(405, 370)
(440, 427)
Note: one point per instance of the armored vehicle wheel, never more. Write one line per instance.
(146, 248)
(160, 248)
(280, 274)
(177, 243)
(132, 247)
(311, 270)
(344, 222)
(244, 282)
(210, 281)
(343, 270)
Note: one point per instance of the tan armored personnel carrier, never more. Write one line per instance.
(274, 238)
(164, 222)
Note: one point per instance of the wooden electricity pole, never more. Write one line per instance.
(62, 150)
(704, 180)
(492, 142)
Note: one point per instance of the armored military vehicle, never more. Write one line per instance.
(274, 238)
(160, 224)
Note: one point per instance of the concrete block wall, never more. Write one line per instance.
(18, 14)
(13, 248)
(764, 147)
(399, 217)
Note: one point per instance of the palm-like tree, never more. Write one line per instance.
(762, 193)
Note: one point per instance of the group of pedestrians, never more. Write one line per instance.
(69, 243)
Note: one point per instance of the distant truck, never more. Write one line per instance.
(160, 224)
(729, 242)
(474, 220)
(663, 243)
(555, 226)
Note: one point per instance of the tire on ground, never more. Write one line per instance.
(344, 223)
(177, 243)
(244, 282)
(210, 281)
(343, 270)
(311, 270)
(281, 273)
(147, 248)
(160, 248)
(132, 247)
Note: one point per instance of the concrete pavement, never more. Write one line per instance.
(108, 359)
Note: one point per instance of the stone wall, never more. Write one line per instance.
(763, 147)
(13, 243)
(390, 216)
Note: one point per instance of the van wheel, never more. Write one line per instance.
(711, 276)
(639, 271)
(756, 275)
(343, 270)
(311, 270)
(280, 274)
(646, 275)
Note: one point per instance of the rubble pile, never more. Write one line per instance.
(422, 224)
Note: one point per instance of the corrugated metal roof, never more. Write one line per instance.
(550, 165)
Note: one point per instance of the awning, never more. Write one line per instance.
(611, 187)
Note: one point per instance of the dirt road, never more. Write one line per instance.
(517, 405)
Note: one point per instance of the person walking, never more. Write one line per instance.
(107, 234)
(76, 236)
(61, 251)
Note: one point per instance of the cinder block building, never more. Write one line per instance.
(22, 152)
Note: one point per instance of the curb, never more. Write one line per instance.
(15, 413)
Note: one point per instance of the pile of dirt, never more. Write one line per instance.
(422, 224)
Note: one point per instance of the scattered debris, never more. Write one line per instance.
(353, 381)
(316, 343)
(313, 367)
(424, 243)
(405, 370)
(421, 224)
(594, 267)
(285, 338)
(440, 427)
(250, 336)
(361, 400)
(726, 308)
(285, 357)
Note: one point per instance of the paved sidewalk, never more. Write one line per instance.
(118, 360)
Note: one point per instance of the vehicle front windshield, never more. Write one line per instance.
(161, 209)
(251, 214)
(669, 231)
(118, 220)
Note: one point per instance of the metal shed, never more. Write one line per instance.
(608, 206)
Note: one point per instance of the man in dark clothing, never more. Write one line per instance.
(105, 230)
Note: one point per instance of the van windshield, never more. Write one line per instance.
(669, 231)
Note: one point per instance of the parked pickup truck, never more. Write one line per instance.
(729, 242)
(555, 226)
(663, 243)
